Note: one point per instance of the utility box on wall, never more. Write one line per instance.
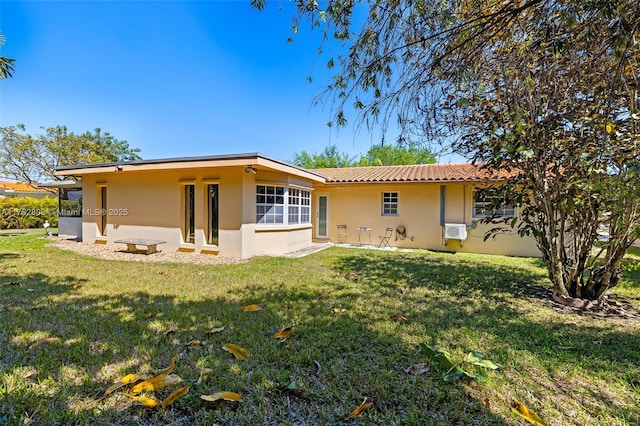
(455, 231)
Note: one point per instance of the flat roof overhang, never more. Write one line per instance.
(256, 160)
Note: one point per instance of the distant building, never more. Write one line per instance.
(14, 190)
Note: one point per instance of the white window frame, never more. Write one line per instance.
(282, 205)
(390, 201)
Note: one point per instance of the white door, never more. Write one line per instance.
(322, 216)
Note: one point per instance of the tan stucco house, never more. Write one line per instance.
(248, 205)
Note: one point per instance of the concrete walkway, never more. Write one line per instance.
(316, 247)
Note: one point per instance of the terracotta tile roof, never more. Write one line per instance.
(20, 187)
(412, 173)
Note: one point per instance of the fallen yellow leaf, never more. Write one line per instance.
(149, 315)
(204, 373)
(214, 330)
(144, 400)
(170, 368)
(610, 128)
(126, 380)
(250, 308)
(360, 409)
(521, 410)
(194, 343)
(42, 342)
(156, 383)
(285, 333)
(174, 396)
(237, 351)
(228, 396)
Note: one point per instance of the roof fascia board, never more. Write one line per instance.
(239, 160)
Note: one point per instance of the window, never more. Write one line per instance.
(103, 211)
(273, 201)
(212, 212)
(189, 207)
(487, 204)
(70, 202)
(299, 206)
(389, 204)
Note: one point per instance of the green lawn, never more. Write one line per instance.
(107, 319)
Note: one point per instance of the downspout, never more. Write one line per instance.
(442, 212)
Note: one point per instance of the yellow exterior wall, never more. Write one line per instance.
(360, 205)
(150, 205)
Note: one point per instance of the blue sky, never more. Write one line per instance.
(174, 78)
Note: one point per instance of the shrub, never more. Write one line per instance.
(22, 213)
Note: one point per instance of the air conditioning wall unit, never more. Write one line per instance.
(455, 231)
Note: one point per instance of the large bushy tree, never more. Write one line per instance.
(548, 89)
(34, 159)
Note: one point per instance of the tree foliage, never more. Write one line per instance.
(6, 64)
(378, 155)
(33, 159)
(395, 155)
(329, 157)
(545, 88)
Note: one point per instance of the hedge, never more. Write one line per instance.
(22, 213)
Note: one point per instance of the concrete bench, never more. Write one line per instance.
(132, 244)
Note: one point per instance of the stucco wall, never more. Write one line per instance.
(419, 210)
(150, 205)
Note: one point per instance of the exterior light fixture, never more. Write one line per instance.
(250, 169)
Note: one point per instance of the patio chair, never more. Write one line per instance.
(342, 234)
(384, 239)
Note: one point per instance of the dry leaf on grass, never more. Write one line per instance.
(42, 342)
(251, 308)
(284, 333)
(214, 330)
(204, 373)
(521, 410)
(144, 400)
(171, 330)
(398, 317)
(227, 396)
(170, 368)
(126, 380)
(156, 383)
(175, 396)
(194, 344)
(360, 409)
(417, 369)
(237, 351)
